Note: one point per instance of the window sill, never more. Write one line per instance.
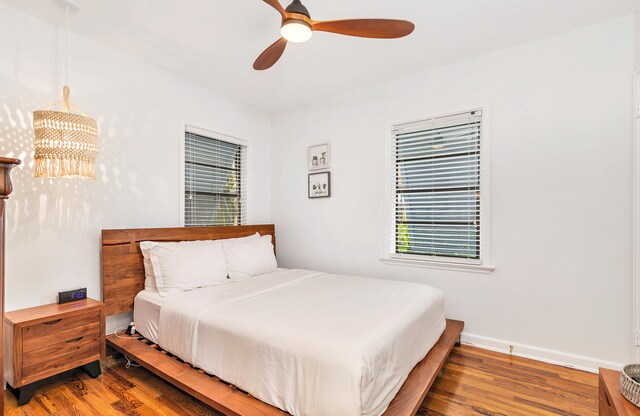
(473, 268)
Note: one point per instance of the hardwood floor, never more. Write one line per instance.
(481, 382)
(474, 382)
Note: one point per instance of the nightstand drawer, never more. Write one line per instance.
(60, 324)
(63, 356)
(59, 330)
(77, 345)
(604, 405)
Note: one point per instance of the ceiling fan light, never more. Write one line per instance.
(295, 30)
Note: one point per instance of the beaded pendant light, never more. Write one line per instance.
(66, 141)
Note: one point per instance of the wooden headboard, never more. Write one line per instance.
(122, 264)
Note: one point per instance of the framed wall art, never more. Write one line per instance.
(319, 157)
(320, 185)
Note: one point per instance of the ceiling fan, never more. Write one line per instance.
(297, 26)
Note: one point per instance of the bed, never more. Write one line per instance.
(296, 341)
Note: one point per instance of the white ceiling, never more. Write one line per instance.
(214, 42)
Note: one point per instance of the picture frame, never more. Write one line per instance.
(319, 156)
(319, 185)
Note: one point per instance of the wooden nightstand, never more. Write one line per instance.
(48, 340)
(612, 402)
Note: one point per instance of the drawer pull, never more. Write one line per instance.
(75, 339)
(55, 321)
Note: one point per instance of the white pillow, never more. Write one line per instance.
(250, 258)
(240, 239)
(187, 265)
(149, 275)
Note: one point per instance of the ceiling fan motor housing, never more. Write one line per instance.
(297, 7)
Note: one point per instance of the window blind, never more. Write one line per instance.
(215, 182)
(436, 188)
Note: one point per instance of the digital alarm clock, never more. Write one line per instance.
(72, 295)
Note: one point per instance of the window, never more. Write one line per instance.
(436, 190)
(214, 181)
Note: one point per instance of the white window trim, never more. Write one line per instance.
(485, 265)
(636, 218)
(209, 131)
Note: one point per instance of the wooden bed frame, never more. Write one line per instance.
(123, 277)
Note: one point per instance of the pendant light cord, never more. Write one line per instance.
(66, 45)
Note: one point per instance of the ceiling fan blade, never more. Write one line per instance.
(270, 56)
(367, 28)
(276, 5)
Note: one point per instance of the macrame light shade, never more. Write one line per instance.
(66, 144)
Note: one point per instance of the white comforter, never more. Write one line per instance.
(309, 343)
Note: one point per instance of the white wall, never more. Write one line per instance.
(637, 38)
(561, 191)
(636, 195)
(53, 226)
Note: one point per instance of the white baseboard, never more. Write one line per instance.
(540, 354)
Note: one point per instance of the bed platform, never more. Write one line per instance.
(123, 278)
(231, 401)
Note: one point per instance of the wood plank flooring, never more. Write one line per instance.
(473, 382)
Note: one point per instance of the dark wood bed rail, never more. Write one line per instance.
(122, 263)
